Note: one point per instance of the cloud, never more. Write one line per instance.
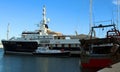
(116, 2)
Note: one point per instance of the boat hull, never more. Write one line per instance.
(94, 63)
(10, 46)
(52, 54)
(97, 63)
(19, 46)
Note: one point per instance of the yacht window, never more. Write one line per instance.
(66, 45)
(77, 45)
(53, 45)
(73, 45)
(59, 45)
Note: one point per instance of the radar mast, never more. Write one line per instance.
(44, 15)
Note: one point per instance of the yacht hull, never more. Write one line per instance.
(19, 46)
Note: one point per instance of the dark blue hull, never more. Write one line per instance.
(19, 46)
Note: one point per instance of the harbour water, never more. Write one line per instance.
(29, 63)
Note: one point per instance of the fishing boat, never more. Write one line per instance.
(31, 40)
(98, 53)
(45, 51)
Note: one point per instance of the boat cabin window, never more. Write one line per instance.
(59, 45)
(112, 34)
(53, 45)
(101, 49)
(43, 37)
(73, 45)
(59, 37)
(66, 45)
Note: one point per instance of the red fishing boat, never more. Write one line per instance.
(98, 53)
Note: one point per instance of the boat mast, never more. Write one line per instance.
(90, 20)
(8, 31)
(117, 14)
(44, 15)
(44, 21)
(90, 15)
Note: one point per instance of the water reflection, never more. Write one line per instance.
(27, 63)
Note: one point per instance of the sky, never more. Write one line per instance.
(66, 16)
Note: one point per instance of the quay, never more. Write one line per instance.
(113, 68)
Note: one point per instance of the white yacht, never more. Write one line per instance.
(30, 41)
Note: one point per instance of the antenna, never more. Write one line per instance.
(8, 31)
